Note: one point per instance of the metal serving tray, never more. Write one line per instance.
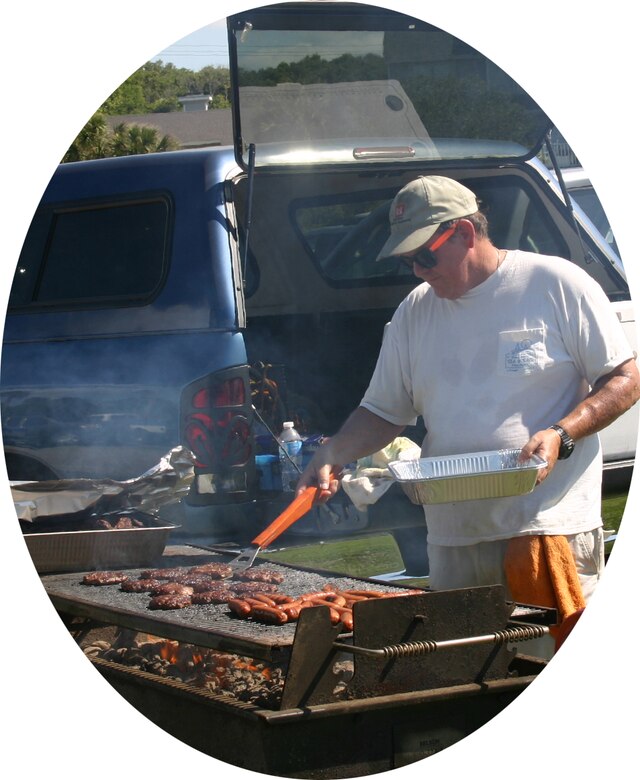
(467, 477)
(82, 550)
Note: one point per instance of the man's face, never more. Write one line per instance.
(447, 276)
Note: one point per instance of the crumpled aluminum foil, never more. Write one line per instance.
(166, 483)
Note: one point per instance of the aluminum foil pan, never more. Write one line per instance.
(472, 476)
(85, 548)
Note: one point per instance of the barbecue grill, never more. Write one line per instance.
(424, 670)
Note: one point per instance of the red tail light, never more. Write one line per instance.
(216, 415)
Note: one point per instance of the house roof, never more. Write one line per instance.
(190, 128)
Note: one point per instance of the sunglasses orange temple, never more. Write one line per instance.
(442, 238)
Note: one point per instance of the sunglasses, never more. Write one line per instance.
(424, 257)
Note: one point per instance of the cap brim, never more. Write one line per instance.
(401, 244)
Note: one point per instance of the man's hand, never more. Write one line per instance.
(611, 396)
(324, 475)
(362, 434)
(546, 445)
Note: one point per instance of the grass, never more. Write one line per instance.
(612, 510)
(374, 555)
(363, 557)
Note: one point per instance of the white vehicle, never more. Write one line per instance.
(619, 439)
(583, 192)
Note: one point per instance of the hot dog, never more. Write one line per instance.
(334, 614)
(281, 598)
(260, 598)
(239, 607)
(335, 598)
(346, 617)
(269, 615)
(292, 611)
(317, 594)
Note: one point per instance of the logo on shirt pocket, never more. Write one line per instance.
(521, 352)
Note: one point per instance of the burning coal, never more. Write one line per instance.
(242, 678)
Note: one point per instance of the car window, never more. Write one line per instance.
(589, 202)
(345, 234)
(93, 254)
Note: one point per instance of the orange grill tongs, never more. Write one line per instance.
(297, 508)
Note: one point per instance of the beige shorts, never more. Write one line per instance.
(483, 563)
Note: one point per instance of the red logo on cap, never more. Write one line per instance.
(399, 210)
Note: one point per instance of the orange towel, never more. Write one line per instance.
(541, 570)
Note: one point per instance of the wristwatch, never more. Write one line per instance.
(566, 442)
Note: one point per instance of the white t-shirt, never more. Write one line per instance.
(510, 357)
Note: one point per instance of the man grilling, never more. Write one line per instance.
(495, 349)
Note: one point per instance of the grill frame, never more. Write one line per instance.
(338, 740)
(372, 726)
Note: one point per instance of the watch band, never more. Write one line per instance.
(566, 442)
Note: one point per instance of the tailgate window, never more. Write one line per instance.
(345, 234)
(362, 84)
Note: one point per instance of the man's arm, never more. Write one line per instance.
(362, 434)
(611, 396)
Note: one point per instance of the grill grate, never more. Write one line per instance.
(210, 625)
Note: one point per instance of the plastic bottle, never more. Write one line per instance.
(290, 440)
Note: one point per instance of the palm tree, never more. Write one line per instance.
(92, 142)
(96, 140)
(139, 139)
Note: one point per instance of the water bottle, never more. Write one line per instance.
(291, 442)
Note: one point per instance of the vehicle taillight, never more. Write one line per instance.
(216, 425)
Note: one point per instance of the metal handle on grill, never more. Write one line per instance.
(405, 649)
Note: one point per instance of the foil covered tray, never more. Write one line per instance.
(467, 477)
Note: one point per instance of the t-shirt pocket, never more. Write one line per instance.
(521, 352)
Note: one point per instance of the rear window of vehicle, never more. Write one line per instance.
(345, 234)
(98, 254)
(589, 202)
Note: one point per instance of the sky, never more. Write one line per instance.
(59, 61)
(205, 46)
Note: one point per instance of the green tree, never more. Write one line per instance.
(139, 139)
(156, 87)
(97, 140)
(129, 98)
(92, 142)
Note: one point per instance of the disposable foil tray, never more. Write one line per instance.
(83, 550)
(472, 476)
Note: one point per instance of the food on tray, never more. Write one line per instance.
(172, 587)
(216, 571)
(110, 524)
(240, 588)
(259, 575)
(170, 601)
(128, 522)
(220, 596)
(197, 581)
(279, 608)
(104, 578)
(162, 574)
(256, 597)
(139, 586)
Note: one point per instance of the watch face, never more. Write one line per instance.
(566, 449)
(566, 442)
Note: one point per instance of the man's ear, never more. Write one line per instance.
(466, 232)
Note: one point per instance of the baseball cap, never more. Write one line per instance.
(420, 207)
